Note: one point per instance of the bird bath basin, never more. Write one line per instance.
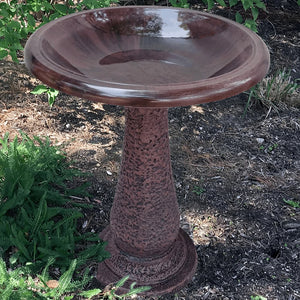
(147, 59)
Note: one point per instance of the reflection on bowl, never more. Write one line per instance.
(147, 56)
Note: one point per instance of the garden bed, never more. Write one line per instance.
(237, 177)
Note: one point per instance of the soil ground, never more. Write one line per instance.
(232, 173)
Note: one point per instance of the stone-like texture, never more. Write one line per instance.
(143, 237)
(165, 274)
(145, 211)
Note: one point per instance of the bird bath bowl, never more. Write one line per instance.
(147, 59)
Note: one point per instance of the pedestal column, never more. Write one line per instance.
(143, 237)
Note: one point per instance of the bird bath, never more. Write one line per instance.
(147, 59)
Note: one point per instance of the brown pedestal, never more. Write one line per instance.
(144, 238)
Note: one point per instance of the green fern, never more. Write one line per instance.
(37, 218)
(19, 284)
(13, 285)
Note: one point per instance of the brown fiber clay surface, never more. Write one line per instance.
(147, 56)
(143, 237)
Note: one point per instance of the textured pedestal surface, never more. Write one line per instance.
(165, 274)
(144, 237)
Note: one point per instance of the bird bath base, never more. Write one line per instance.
(144, 238)
(165, 274)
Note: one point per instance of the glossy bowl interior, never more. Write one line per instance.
(147, 56)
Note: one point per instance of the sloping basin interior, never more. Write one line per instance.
(176, 46)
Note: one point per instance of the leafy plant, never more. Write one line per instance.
(251, 6)
(274, 92)
(111, 293)
(51, 93)
(180, 3)
(19, 284)
(14, 284)
(37, 217)
(270, 148)
(21, 18)
(258, 297)
(199, 190)
(294, 204)
(55, 289)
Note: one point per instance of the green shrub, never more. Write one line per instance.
(252, 7)
(275, 92)
(19, 284)
(37, 217)
(19, 18)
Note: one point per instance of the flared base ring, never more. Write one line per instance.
(166, 274)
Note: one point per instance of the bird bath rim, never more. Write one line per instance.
(235, 81)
